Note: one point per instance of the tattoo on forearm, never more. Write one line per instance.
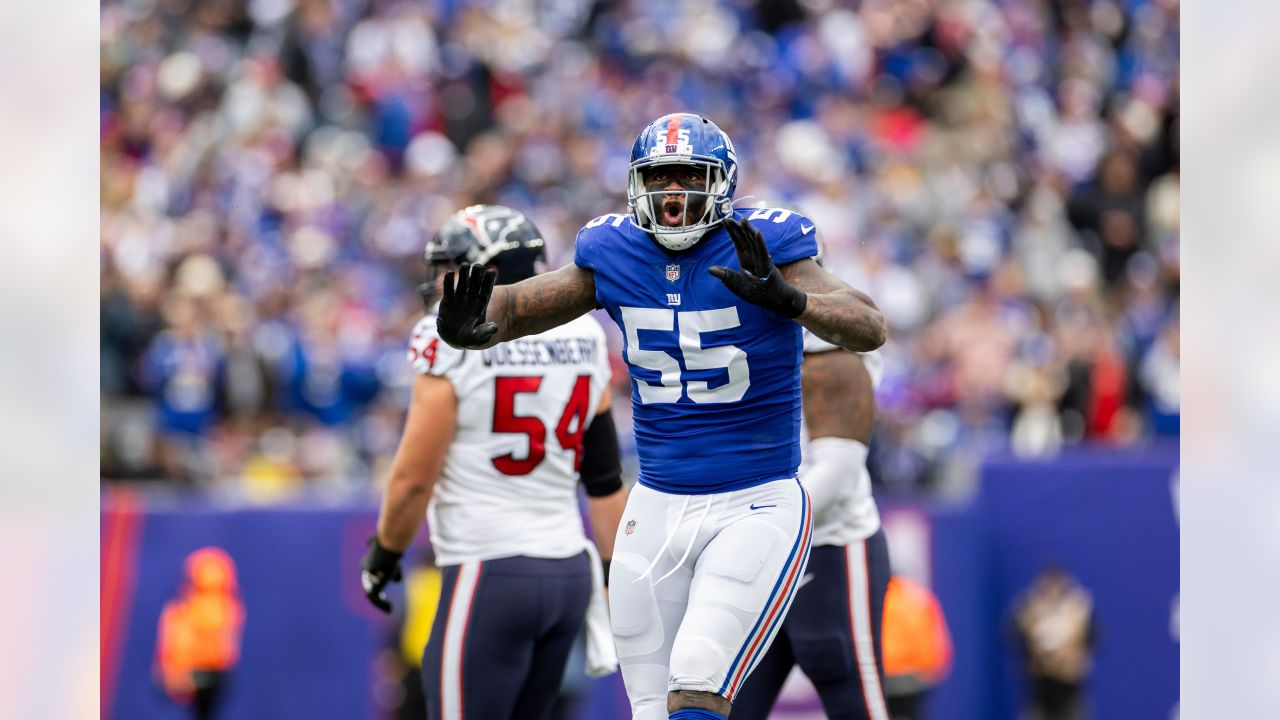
(844, 319)
(834, 311)
(543, 302)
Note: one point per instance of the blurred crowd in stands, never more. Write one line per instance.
(1000, 175)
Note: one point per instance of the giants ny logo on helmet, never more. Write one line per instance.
(675, 142)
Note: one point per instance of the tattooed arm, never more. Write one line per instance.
(474, 314)
(542, 302)
(834, 311)
(805, 292)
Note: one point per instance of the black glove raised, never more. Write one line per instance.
(379, 568)
(460, 320)
(759, 282)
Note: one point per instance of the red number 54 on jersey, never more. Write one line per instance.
(573, 421)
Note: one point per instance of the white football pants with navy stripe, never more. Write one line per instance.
(699, 585)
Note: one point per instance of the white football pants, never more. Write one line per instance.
(699, 585)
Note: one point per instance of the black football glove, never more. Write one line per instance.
(379, 568)
(759, 282)
(460, 320)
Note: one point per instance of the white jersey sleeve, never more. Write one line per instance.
(510, 479)
(428, 354)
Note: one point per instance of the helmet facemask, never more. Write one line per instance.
(429, 289)
(678, 218)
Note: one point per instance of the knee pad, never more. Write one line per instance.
(633, 608)
(824, 660)
(696, 661)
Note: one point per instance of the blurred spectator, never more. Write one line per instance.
(1110, 211)
(1001, 176)
(1055, 632)
(1159, 374)
(182, 370)
(199, 636)
(1037, 428)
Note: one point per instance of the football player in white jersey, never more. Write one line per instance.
(495, 444)
(833, 629)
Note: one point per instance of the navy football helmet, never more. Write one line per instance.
(493, 235)
(690, 140)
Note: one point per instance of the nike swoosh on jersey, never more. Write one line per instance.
(753, 506)
(805, 230)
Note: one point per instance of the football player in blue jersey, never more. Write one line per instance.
(711, 300)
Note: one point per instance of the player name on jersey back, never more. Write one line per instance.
(510, 480)
(556, 351)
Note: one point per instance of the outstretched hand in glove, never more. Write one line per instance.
(759, 282)
(461, 318)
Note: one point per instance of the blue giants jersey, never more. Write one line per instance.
(715, 380)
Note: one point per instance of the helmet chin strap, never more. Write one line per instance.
(682, 240)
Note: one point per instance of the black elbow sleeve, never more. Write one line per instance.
(601, 469)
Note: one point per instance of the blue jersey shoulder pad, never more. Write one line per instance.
(789, 235)
(586, 246)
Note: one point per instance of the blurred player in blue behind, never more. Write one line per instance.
(833, 632)
(711, 301)
(494, 446)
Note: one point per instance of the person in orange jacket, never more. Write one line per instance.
(917, 646)
(198, 641)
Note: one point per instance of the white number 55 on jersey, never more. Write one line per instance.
(690, 325)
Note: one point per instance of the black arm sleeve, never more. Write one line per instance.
(601, 468)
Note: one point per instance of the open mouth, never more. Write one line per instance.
(672, 213)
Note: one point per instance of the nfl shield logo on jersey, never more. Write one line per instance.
(631, 527)
(673, 272)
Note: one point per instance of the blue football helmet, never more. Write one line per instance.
(682, 139)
